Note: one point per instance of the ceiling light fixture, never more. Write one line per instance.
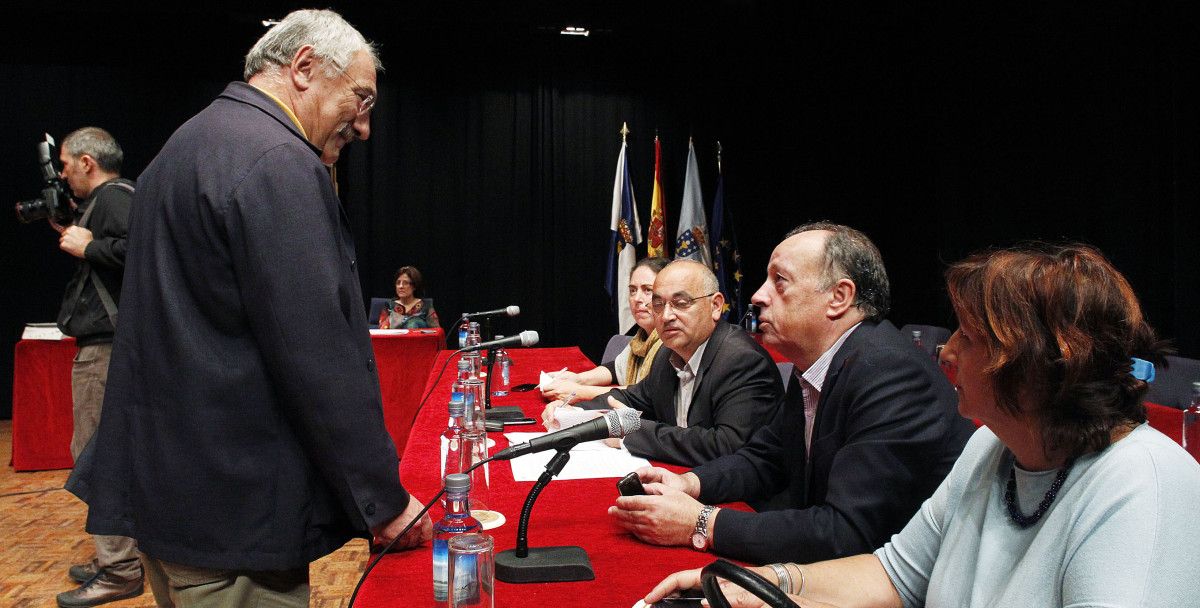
(572, 30)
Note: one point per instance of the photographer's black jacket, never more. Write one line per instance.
(105, 255)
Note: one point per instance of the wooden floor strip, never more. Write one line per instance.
(41, 527)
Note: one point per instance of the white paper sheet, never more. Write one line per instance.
(589, 460)
(569, 416)
(41, 331)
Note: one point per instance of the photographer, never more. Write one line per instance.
(91, 165)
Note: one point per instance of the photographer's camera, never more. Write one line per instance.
(55, 202)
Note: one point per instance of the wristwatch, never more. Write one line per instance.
(701, 540)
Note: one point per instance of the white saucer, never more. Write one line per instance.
(489, 519)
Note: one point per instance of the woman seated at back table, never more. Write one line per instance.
(1066, 497)
(407, 311)
(633, 363)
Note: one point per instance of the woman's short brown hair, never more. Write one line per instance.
(414, 276)
(1061, 325)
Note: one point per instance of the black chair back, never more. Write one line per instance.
(1172, 386)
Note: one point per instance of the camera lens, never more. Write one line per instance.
(32, 210)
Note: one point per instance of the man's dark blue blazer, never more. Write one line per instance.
(887, 431)
(738, 391)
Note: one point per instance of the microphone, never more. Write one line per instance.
(614, 423)
(510, 311)
(525, 338)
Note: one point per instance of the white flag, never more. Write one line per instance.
(626, 234)
(691, 242)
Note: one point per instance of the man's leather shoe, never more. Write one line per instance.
(103, 588)
(82, 573)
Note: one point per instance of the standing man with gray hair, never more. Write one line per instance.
(246, 399)
(91, 165)
(868, 430)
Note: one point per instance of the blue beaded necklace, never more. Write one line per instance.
(1010, 496)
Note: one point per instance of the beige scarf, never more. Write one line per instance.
(642, 349)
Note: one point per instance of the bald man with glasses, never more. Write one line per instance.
(710, 386)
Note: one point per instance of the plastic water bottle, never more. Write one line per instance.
(474, 434)
(505, 363)
(474, 357)
(454, 458)
(457, 520)
(472, 390)
(463, 330)
(1191, 424)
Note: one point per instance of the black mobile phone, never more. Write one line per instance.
(630, 485)
(689, 598)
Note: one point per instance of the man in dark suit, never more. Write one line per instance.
(711, 386)
(868, 430)
(243, 435)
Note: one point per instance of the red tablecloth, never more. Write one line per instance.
(403, 362)
(568, 512)
(41, 405)
(42, 393)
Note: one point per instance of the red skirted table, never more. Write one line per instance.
(41, 405)
(568, 512)
(42, 393)
(403, 362)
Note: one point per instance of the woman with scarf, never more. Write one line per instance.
(633, 363)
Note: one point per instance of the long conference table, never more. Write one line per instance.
(568, 512)
(42, 392)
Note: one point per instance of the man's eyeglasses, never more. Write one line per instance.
(365, 102)
(678, 303)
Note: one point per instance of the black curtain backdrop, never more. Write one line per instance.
(938, 131)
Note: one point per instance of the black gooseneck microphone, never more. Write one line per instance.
(614, 423)
(554, 564)
(510, 311)
(525, 338)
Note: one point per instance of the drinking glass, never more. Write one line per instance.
(472, 571)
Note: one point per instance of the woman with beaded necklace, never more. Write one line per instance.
(1066, 496)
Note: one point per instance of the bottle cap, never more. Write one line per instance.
(458, 482)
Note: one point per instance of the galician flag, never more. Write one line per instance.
(626, 235)
(691, 241)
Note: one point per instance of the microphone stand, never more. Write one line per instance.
(485, 330)
(543, 564)
(507, 412)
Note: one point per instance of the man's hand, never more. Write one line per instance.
(665, 516)
(420, 533)
(687, 483)
(74, 240)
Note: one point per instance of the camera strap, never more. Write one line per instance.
(110, 305)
